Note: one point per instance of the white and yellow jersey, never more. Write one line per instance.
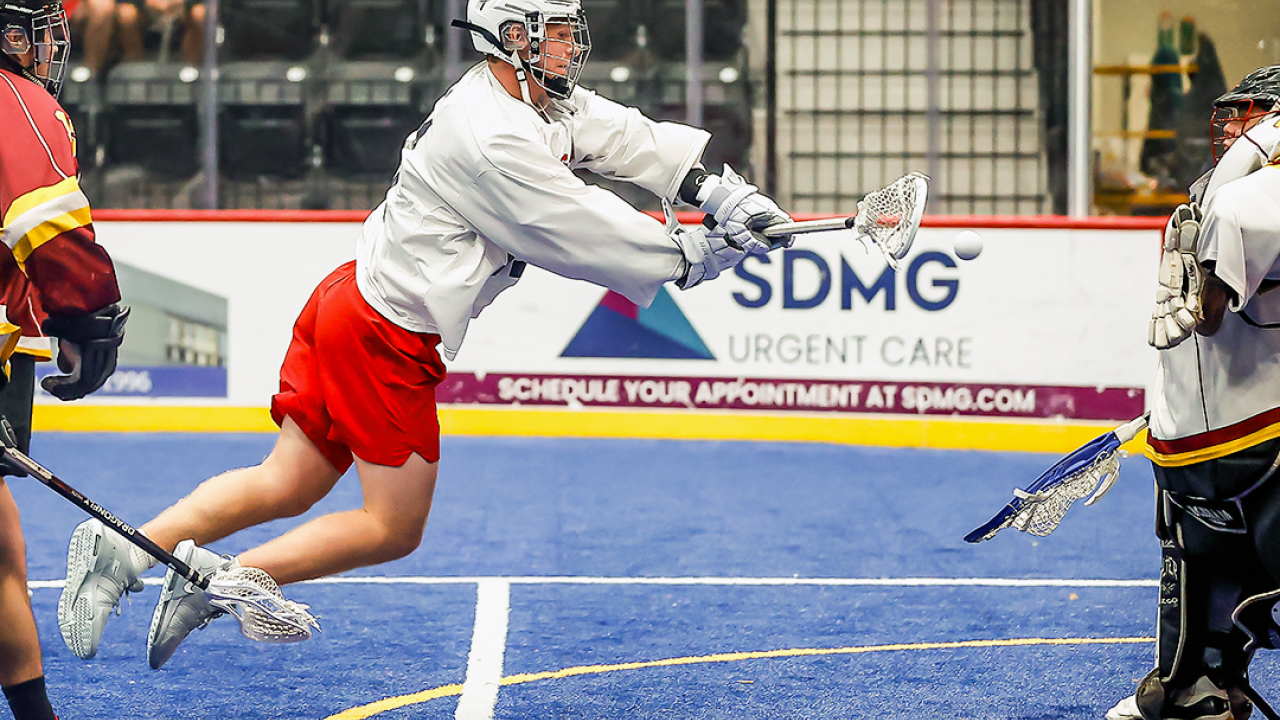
(1219, 394)
(487, 184)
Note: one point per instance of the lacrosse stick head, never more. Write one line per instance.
(252, 596)
(1089, 472)
(890, 216)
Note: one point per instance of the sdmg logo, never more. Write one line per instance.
(926, 281)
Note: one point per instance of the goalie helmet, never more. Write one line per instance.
(34, 40)
(1257, 96)
(502, 28)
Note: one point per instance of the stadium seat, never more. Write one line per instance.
(724, 22)
(378, 29)
(615, 28)
(726, 110)
(262, 123)
(82, 99)
(269, 29)
(369, 110)
(150, 118)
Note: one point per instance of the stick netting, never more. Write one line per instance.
(254, 598)
(891, 216)
(1041, 512)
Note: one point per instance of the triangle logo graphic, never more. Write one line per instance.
(618, 328)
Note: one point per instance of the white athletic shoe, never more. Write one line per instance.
(183, 607)
(1126, 709)
(101, 567)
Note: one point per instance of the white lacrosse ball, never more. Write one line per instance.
(968, 244)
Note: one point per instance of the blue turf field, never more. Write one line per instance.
(671, 577)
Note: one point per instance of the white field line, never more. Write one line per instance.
(488, 646)
(739, 581)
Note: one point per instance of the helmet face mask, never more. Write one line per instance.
(547, 38)
(34, 37)
(1235, 112)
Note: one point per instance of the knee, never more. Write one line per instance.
(127, 15)
(401, 539)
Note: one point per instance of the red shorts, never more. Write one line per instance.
(358, 384)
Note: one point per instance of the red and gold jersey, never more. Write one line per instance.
(45, 222)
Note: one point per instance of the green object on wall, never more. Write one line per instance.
(1187, 36)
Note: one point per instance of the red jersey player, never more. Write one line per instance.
(48, 239)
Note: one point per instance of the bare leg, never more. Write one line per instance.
(99, 25)
(397, 501)
(129, 28)
(193, 35)
(293, 478)
(20, 658)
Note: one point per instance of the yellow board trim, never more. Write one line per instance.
(943, 433)
(1213, 453)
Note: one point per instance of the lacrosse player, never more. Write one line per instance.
(1215, 422)
(48, 235)
(485, 186)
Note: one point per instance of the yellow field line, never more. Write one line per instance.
(366, 711)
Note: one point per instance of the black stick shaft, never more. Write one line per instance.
(39, 472)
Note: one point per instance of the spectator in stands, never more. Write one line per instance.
(95, 22)
(137, 18)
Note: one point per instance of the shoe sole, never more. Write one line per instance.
(75, 609)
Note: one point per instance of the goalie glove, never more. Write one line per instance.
(707, 252)
(741, 212)
(87, 349)
(1179, 298)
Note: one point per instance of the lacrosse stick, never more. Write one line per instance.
(1089, 472)
(1259, 618)
(249, 594)
(888, 217)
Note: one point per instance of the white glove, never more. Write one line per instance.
(706, 251)
(1179, 297)
(741, 212)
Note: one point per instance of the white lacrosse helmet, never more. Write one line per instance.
(502, 28)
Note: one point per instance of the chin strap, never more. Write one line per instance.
(522, 77)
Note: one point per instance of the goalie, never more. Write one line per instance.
(485, 186)
(1215, 422)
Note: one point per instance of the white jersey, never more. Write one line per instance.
(487, 184)
(1219, 394)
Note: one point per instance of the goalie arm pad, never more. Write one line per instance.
(740, 211)
(1180, 295)
(87, 348)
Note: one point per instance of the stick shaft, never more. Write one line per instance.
(808, 226)
(39, 472)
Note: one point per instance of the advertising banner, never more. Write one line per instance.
(1044, 323)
